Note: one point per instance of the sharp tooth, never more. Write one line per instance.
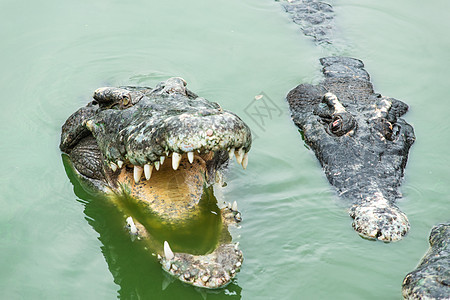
(137, 173)
(231, 153)
(190, 156)
(234, 206)
(148, 171)
(161, 159)
(218, 177)
(176, 158)
(245, 161)
(130, 223)
(239, 155)
(167, 251)
(90, 125)
(120, 164)
(157, 165)
(113, 166)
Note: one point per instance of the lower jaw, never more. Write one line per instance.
(201, 232)
(175, 206)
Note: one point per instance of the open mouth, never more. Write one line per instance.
(173, 186)
(172, 198)
(156, 153)
(166, 191)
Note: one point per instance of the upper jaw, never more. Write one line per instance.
(147, 142)
(184, 134)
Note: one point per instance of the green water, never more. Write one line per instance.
(295, 235)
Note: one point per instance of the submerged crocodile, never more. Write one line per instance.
(362, 145)
(315, 18)
(360, 141)
(356, 134)
(157, 152)
(431, 278)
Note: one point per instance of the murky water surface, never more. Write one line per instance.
(296, 235)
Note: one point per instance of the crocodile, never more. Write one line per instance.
(315, 18)
(431, 278)
(356, 134)
(157, 152)
(362, 144)
(360, 141)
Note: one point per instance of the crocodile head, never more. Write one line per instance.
(157, 152)
(361, 142)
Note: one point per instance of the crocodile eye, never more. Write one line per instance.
(336, 125)
(388, 130)
(341, 124)
(125, 100)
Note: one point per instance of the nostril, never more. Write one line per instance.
(378, 234)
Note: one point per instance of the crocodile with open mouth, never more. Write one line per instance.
(157, 152)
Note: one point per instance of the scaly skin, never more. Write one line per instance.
(314, 17)
(157, 152)
(362, 156)
(360, 141)
(355, 133)
(431, 278)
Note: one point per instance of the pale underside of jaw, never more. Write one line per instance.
(211, 270)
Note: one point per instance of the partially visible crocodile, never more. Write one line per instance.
(314, 17)
(431, 278)
(360, 141)
(157, 152)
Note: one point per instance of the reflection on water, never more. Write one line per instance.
(198, 235)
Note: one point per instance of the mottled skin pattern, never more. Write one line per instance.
(360, 141)
(356, 134)
(212, 270)
(314, 17)
(364, 149)
(431, 278)
(159, 151)
(140, 125)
